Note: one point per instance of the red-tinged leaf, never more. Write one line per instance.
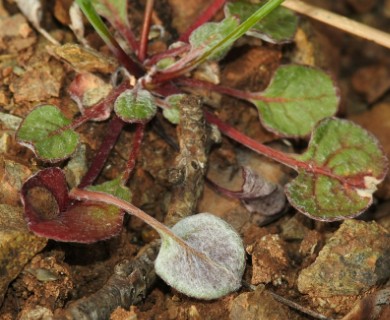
(338, 173)
(86, 90)
(257, 194)
(46, 131)
(52, 214)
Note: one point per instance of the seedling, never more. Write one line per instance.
(201, 256)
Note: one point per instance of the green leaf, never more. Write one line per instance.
(43, 132)
(211, 262)
(238, 32)
(97, 23)
(211, 33)
(296, 99)
(135, 105)
(278, 27)
(172, 114)
(112, 9)
(114, 187)
(345, 164)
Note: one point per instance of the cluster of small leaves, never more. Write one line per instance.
(336, 175)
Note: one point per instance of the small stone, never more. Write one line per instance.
(353, 260)
(295, 228)
(310, 246)
(269, 260)
(16, 248)
(258, 305)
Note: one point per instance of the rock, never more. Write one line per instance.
(259, 305)
(15, 34)
(354, 259)
(310, 246)
(39, 82)
(295, 228)
(269, 260)
(36, 313)
(46, 281)
(12, 177)
(17, 247)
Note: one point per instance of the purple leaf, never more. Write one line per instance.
(257, 194)
(50, 212)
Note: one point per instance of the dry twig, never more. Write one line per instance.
(339, 22)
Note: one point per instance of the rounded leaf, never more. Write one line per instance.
(346, 164)
(135, 105)
(44, 131)
(50, 212)
(212, 263)
(296, 99)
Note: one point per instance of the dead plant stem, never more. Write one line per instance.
(340, 22)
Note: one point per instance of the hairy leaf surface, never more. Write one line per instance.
(212, 263)
(135, 105)
(296, 99)
(211, 33)
(43, 132)
(346, 166)
(172, 114)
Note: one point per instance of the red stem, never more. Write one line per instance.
(79, 194)
(126, 61)
(253, 144)
(222, 89)
(114, 129)
(127, 34)
(205, 16)
(96, 110)
(145, 30)
(288, 160)
(139, 134)
(166, 54)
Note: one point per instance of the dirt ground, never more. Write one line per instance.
(292, 256)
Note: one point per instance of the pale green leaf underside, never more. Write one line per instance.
(347, 151)
(278, 27)
(211, 33)
(214, 273)
(296, 99)
(42, 131)
(109, 212)
(114, 187)
(135, 106)
(172, 114)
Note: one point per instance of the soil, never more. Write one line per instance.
(55, 274)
